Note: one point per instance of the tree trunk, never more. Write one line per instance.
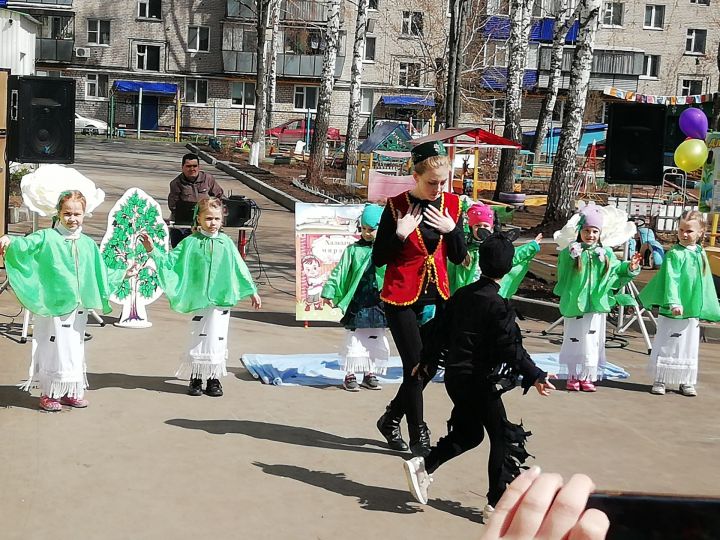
(257, 148)
(548, 104)
(316, 162)
(452, 79)
(520, 13)
(353, 125)
(461, 32)
(272, 68)
(560, 207)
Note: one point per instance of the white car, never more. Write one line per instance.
(90, 126)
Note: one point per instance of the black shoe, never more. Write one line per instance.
(195, 388)
(389, 426)
(419, 440)
(213, 388)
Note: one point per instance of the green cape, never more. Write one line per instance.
(202, 272)
(345, 277)
(52, 276)
(684, 279)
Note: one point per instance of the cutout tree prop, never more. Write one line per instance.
(134, 213)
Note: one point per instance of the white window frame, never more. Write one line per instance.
(93, 84)
(404, 67)
(493, 60)
(651, 61)
(363, 93)
(408, 27)
(610, 8)
(243, 105)
(494, 107)
(691, 41)
(144, 54)
(300, 88)
(97, 31)
(146, 5)
(686, 90)
(654, 10)
(196, 83)
(367, 60)
(195, 47)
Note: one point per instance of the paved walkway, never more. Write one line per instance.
(146, 461)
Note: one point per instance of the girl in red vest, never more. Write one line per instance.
(419, 231)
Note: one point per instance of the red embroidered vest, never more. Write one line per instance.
(405, 276)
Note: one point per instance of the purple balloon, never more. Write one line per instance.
(694, 123)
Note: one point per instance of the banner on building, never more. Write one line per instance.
(629, 95)
(322, 232)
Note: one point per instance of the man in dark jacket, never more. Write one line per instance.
(189, 187)
(482, 346)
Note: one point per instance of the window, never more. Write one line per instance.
(243, 94)
(651, 66)
(700, 2)
(367, 96)
(303, 41)
(196, 91)
(57, 27)
(499, 7)
(409, 74)
(242, 8)
(149, 9)
(498, 109)
(98, 32)
(198, 38)
(654, 16)
(148, 57)
(695, 42)
(613, 14)
(498, 52)
(369, 48)
(96, 86)
(412, 23)
(691, 87)
(373, 4)
(306, 97)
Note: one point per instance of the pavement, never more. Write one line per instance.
(146, 461)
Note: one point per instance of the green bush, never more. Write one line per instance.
(17, 172)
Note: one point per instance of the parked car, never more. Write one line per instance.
(90, 126)
(296, 130)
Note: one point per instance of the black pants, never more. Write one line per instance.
(409, 338)
(475, 410)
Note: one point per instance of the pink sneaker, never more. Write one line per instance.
(587, 386)
(573, 385)
(50, 404)
(74, 402)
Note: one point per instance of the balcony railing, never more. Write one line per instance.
(288, 65)
(55, 50)
(43, 3)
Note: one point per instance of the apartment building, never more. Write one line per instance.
(648, 47)
(148, 53)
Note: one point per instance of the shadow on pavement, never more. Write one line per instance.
(280, 318)
(300, 436)
(96, 381)
(378, 499)
(12, 396)
(620, 385)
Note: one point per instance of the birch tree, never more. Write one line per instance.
(272, 68)
(353, 125)
(518, 44)
(563, 21)
(316, 164)
(257, 148)
(559, 207)
(456, 41)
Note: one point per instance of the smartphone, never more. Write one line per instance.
(647, 516)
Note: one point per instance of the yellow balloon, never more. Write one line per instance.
(691, 155)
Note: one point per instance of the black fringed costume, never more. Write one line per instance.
(481, 346)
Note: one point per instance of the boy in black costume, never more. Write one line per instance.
(482, 349)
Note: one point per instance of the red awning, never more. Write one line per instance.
(475, 135)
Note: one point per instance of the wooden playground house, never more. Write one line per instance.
(386, 149)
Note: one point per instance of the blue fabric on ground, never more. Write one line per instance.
(325, 369)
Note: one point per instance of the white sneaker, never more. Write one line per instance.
(417, 478)
(688, 390)
(658, 388)
(487, 512)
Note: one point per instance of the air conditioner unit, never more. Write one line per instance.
(82, 52)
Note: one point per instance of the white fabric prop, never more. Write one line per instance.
(42, 188)
(616, 228)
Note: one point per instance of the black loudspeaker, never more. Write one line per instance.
(634, 147)
(41, 120)
(238, 210)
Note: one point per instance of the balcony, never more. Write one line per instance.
(610, 67)
(54, 50)
(24, 4)
(303, 10)
(288, 65)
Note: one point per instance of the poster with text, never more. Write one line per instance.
(322, 232)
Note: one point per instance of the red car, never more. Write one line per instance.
(295, 130)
